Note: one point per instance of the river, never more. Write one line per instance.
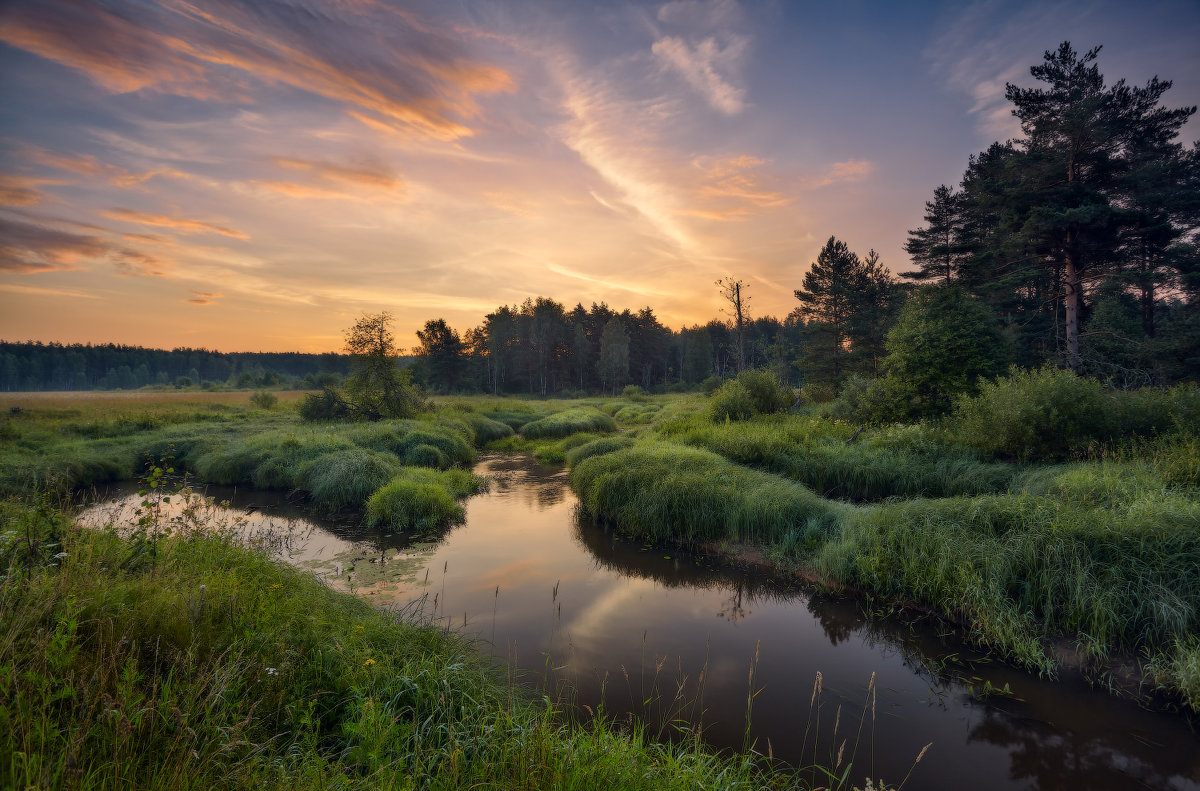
(672, 637)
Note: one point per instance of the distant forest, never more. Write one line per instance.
(52, 366)
(1077, 245)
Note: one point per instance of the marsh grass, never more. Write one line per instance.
(422, 499)
(218, 667)
(887, 463)
(663, 491)
(567, 422)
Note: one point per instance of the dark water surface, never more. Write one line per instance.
(667, 635)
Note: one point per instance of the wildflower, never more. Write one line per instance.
(276, 587)
(272, 671)
(368, 663)
(359, 628)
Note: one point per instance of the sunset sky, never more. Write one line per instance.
(253, 175)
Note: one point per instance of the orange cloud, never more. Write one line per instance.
(849, 171)
(90, 166)
(27, 248)
(414, 85)
(20, 191)
(202, 298)
(110, 49)
(179, 224)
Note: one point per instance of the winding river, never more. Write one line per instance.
(677, 639)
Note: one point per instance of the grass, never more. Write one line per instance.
(661, 491)
(214, 666)
(1099, 554)
(888, 463)
(422, 499)
(567, 422)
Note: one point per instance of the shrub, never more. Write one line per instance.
(731, 402)
(325, 405)
(1046, 414)
(863, 400)
(818, 393)
(711, 384)
(264, 400)
(941, 344)
(633, 393)
(752, 393)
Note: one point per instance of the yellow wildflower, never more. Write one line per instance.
(368, 663)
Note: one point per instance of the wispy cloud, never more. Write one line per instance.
(21, 191)
(391, 76)
(19, 288)
(702, 65)
(90, 166)
(28, 248)
(847, 172)
(181, 224)
(202, 298)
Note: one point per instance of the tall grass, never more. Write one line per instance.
(569, 421)
(815, 452)
(421, 499)
(663, 491)
(218, 668)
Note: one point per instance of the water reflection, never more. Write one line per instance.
(664, 634)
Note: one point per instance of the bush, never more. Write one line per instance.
(633, 393)
(325, 405)
(731, 402)
(940, 346)
(711, 384)
(752, 393)
(264, 400)
(817, 393)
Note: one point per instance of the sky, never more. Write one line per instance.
(253, 175)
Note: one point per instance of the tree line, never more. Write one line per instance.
(1074, 245)
(32, 366)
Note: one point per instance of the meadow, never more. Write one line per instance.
(1083, 549)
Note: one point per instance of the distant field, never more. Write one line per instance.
(105, 398)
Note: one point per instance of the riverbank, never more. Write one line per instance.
(189, 661)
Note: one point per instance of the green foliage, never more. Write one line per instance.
(633, 393)
(1052, 414)
(347, 478)
(663, 491)
(264, 400)
(596, 447)
(942, 343)
(569, 421)
(421, 499)
(731, 402)
(325, 405)
(751, 393)
(376, 387)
